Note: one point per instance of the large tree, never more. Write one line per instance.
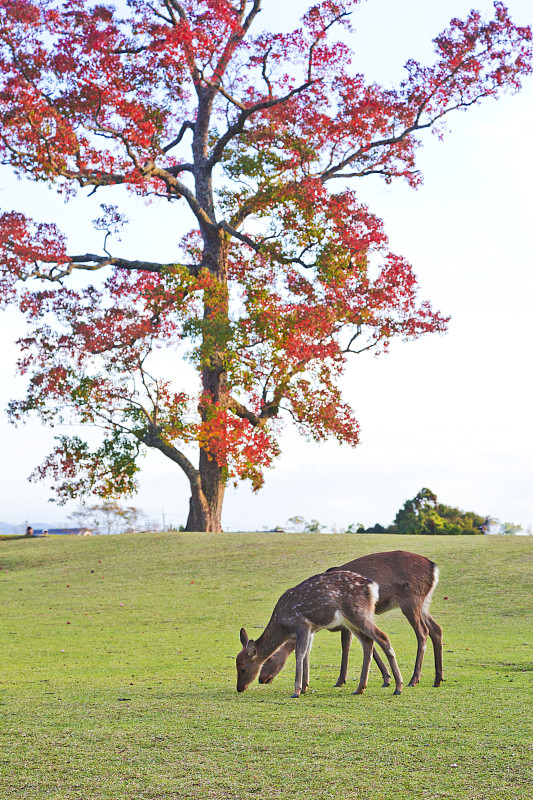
(257, 138)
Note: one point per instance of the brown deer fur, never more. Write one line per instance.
(331, 600)
(406, 581)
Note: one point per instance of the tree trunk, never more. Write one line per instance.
(207, 495)
(207, 491)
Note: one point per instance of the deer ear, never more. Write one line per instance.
(251, 649)
(243, 637)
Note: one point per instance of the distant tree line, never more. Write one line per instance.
(108, 517)
(423, 515)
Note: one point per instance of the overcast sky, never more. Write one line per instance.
(452, 413)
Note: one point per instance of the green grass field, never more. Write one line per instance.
(117, 677)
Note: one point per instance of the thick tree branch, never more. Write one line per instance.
(152, 438)
(177, 169)
(258, 421)
(242, 237)
(261, 246)
(187, 125)
(92, 262)
(245, 114)
(254, 11)
(97, 179)
(179, 189)
(234, 40)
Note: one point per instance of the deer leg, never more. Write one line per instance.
(346, 641)
(304, 639)
(382, 668)
(383, 640)
(305, 671)
(435, 633)
(420, 628)
(368, 645)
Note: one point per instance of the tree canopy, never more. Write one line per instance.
(425, 515)
(257, 138)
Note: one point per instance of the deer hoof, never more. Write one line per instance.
(294, 696)
(413, 683)
(339, 684)
(385, 685)
(397, 691)
(359, 691)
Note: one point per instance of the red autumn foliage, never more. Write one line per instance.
(283, 273)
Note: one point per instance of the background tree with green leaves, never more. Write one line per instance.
(425, 515)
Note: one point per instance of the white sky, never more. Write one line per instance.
(452, 413)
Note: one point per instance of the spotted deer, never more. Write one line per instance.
(329, 600)
(406, 581)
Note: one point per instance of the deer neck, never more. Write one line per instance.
(272, 638)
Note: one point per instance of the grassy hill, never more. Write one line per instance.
(118, 674)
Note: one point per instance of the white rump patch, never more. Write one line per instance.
(427, 601)
(374, 591)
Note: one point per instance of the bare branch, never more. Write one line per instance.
(229, 97)
(254, 11)
(263, 70)
(171, 19)
(187, 125)
(348, 348)
(130, 51)
(363, 173)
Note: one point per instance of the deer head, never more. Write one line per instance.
(248, 663)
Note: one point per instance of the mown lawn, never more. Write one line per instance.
(118, 676)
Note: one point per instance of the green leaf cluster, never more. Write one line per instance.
(424, 515)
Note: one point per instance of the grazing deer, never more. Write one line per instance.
(406, 581)
(329, 600)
